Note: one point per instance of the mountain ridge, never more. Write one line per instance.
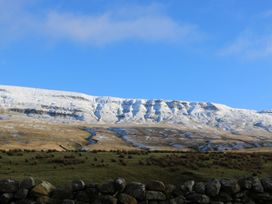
(138, 123)
(105, 109)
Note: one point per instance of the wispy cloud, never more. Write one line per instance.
(104, 29)
(249, 47)
(149, 24)
(254, 41)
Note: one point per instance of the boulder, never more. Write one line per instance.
(47, 200)
(9, 186)
(143, 202)
(82, 196)
(67, 201)
(78, 185)
(163, 202)
(21, 193)
(252, 183)
(224, 197)
(120, 184)
(26, 201)
(262, 197)
(187, 186)
(213, 187)
(6, 198)
(177, 191)
(256, 185)
(107, 188)
(155, 195)
(230, 186)
(155, 186)
(200, 187)
(178, 200)
(245, 183)
(42, 189)
(28, 183)
(136, 190)
(105, 199)
(44, 200)
(92, 193)
(91, 185)
(267, 184)
(169, 189)
(153, 202)
(126, 199)
(249, 201)
(241, 194)
(62, 194)
(198, 198)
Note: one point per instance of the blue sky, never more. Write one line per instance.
(214, 50)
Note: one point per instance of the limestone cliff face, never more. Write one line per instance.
(68, 106)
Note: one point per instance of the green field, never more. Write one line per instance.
(62, 167)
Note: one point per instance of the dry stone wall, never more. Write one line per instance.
(249, 190)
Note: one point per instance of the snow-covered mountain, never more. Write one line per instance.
(56, 119)
(69, 106)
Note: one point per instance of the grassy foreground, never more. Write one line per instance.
(62, 167)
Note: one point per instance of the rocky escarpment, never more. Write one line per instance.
(59, 105)
(203, 126)
(249, 190)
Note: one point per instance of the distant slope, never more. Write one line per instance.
(198, 117)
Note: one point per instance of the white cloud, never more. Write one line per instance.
(255, 42)
(249, 46)
(105, 29)
(148, 23)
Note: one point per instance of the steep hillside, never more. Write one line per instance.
(203, 123)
